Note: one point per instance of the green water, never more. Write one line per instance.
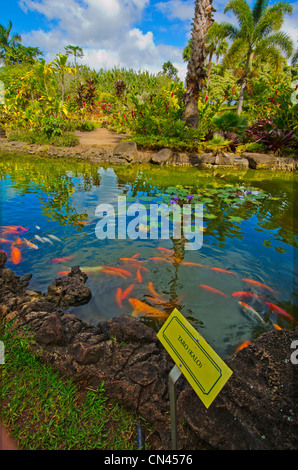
(249, 228)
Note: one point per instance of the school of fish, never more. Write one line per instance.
(133, 269)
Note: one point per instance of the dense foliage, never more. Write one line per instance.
(47, 102)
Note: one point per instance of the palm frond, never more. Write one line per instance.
(295, 57)
(258, 9)
(229, 31)
(243, 13)
(236, 52)
(281, 41)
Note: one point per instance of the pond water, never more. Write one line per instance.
(249, 234)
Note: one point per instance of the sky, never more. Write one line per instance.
(138, 34)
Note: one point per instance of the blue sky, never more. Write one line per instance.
(142, 34)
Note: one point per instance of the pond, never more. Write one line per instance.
(249, 239)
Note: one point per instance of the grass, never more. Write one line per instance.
(45, 412)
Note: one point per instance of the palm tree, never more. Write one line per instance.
(77, 52)
(196, 70)
(6, 41)
(216, 45)
(258, 37)
(60, 66)
(295, 57)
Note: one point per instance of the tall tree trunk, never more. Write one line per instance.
(241, 96)
(209, 70)
(248, 68)
(196, 72)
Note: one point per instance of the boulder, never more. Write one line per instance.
(260, 161)
(162, 157)
(125, 152)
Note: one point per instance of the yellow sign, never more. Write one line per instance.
(206, 372)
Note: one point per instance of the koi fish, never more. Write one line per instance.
(280, 311)
(18, 241)
(91, 269)
(39, 238)
(152, 290)
(31, 245)
(63, 273)
(47, 240)
(139, 277)
(131, 260)
(251, 312)
(166, 250)
(118, 297)
(141, 267)
(211, 289)
(4, 240)
(242, 346)
(109, 271)
(62, 260)
(260, 285)
(16, 228)
(124, 272)
(38, 227)
(220, 270)
(127, 291)
(189, 263)
(16, 255)
(140, 308)
(159, 258)
(277, 327)
(246, 295)
(53, 237)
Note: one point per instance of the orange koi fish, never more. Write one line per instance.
(63, 273)
(277, 327)
(280, 311)
(127, 291)
(246, 295)
(62, 260)
(242, 346)
(139, 277)
(131, 260)
(16, 255)
(118, 297)
(15, 228)
(115, 273)
(159, 258)
(4, 240)
(135, 256)
(118, 270)
(166, 250)
(260, 285)
(220, 270)
(189, 263)
(140, 267)
(211, 289)
(152, 290)
(140, 308)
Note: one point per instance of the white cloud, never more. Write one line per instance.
(104, 29)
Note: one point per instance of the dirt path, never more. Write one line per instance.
(100, 137)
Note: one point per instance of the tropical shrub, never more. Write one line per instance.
(274, 139)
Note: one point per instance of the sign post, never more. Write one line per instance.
(206, 372)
